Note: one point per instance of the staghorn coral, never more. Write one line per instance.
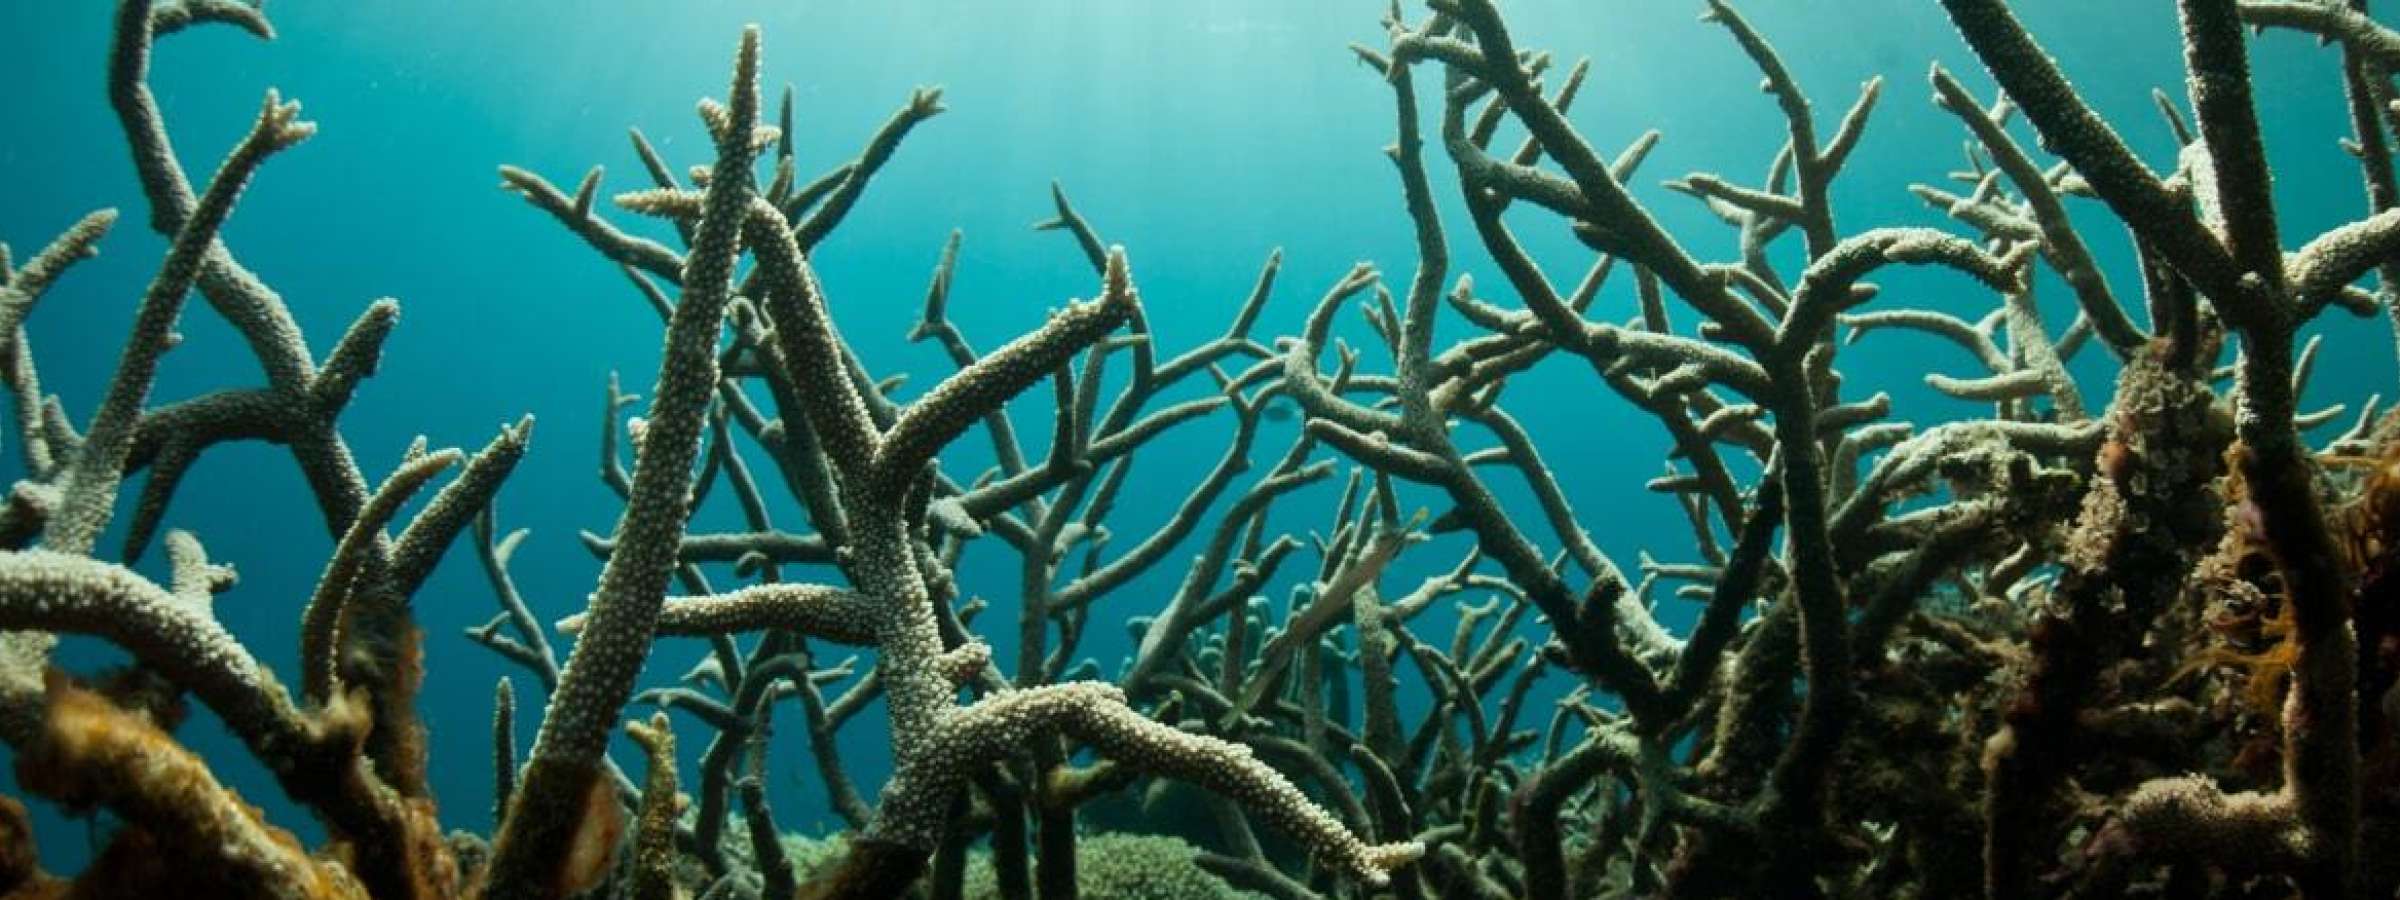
(2150, 507)
(1994, 626)
(880, 502)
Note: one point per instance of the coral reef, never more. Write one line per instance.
(2146, 647)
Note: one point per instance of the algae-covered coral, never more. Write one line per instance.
(2062, 647)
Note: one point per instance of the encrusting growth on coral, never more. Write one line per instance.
(188, 832)
(2136, 642)
(653, 859)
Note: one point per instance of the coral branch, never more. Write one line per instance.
(1095, 713)
(654, 833)
(599, 674)
(90, 488)
(819, 611)
(193, 833)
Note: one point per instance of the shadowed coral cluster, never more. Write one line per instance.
(2059, 647)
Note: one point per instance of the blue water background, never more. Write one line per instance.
(1200, 135)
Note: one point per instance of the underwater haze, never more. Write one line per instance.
(1229, 448)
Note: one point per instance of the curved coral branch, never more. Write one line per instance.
(1096, 714)
(321, 622)
(41, 589)
(315, 758)
(197, 835)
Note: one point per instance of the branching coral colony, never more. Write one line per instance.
(2148, 649)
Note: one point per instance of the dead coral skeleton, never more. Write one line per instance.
(1906, 634)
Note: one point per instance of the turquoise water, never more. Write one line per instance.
(1198, 135)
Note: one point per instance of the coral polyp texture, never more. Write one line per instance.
(2119, 621)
